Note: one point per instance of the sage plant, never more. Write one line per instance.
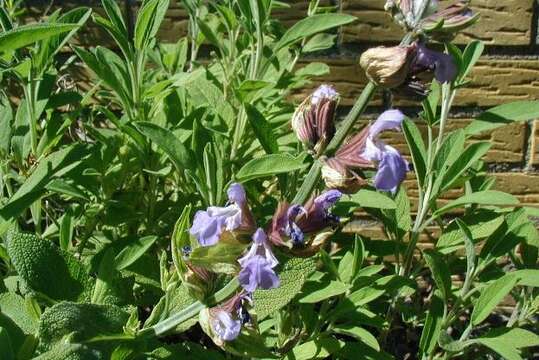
(186, 206)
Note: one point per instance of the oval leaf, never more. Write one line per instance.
(269, 165)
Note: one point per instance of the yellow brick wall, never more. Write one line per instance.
(509, 71)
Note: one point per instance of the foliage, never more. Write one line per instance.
(98, 187)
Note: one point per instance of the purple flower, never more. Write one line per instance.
(258, 273)
(261, 247)
(257, 265)
(208, 225)
(317, 216)
(224, 322)
(225, 326)
(296, 222)
(392, 167)
(441, 64)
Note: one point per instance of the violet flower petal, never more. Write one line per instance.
(206, 229)
(391, 170)
(388, 120)
(236, 194)
(327, 199)
(257, 273)
(226, 328)
(260, 247)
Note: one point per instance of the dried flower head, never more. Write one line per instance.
(387, 66)
(314, 120)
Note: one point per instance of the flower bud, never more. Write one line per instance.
(313, 121)
(199, 281)
(296, 227)
(407, 13)
(338, 176)
(444, 24)
(224, 322)
(387, 66)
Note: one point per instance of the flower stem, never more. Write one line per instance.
(187, 313)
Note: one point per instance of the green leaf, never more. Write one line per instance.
(470, 251)
(70, 351)
(491, 296)
(515, 338)
(346, 267)
(440, 272)
(481, 223)
(469, 157)
(47, 269)
(316, 349)
(149, 18)
(81, 322)
(372, 292)
(180, 238)
(319, 42)
(33, 188)
(222, 257)
(487, 197)
(28, 34)
(358, 333)
(402, 212)
(49, 47)
(417, 148)
(174, 301)
(352, 350)
(5, 345)
(16, 320)
(472, 53)
(501, 115)
(110, 288)
(313, 69)
(527, 277)
(133, 251)
(433, 325)
(13, 307)
(503, 347)
(371, 199)
(450, 151)
(169, 143)
(269, 165)
(292, 273)
(6, 126)
(262, 129)
(310, 26)
(115, 15)
(334, 288)
(447, 343)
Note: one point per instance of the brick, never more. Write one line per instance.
(502, 22)
(534, 144)
(175, 24)
(176, 21)
(508, 142)
(90, 34)
(492, 82)
(345, 74)
(525, 186)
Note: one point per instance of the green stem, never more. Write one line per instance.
(32, 122)
(187, 313)
(313, 176)
(448, 95)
